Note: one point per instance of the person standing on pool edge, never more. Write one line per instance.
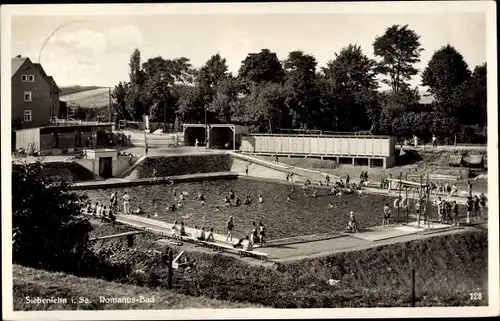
(387, 214)
(230, 226)
(126, 203)
(262, 234)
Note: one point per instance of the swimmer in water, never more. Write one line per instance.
(202, 202)
(247, 200)
(288, 199)
(201, 197)
(238, 201)
(231, 194)
(315, 194)
(261, 200)
(292, 189)
(174, 191)
(217, 208)
(330, 205)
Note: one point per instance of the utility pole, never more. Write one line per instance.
(164, 115)
(109, 105)
(206, 128)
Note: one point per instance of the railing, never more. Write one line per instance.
(65, 122)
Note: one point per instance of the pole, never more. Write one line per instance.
(428, 202)
(413, 288)
(164, 115)
(399, 203)
(170, 259)
(419, 202)
(206, 128)
(109, 104)
(407, 205)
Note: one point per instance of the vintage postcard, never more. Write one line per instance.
(249, 160)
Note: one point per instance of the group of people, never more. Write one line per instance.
(106, 214)
(445, 188)
(476, 205)
(256, 235)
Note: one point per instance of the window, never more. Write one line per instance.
(31, 78)
(27, 115)
(24, 78)
(27, 96)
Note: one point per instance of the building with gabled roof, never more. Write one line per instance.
(35, 95)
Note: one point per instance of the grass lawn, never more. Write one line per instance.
(38, 283)
(302, 216)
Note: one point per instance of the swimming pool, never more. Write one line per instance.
(302, 216)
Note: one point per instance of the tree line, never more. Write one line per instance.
(344, 95)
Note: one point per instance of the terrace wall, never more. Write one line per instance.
(181, 165)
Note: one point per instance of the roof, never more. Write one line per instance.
(17, 62)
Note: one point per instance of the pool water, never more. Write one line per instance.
(302, 216)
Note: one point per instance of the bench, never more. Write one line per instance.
(221, 247)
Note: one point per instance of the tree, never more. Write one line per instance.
(190, 104)
(445, 71)
(209, 77)
(225, 101)
(260, 67)
(478, 94)
(119, 96)
(264, 108)
(48, 230)
(351, 70)
(301, 91)
(133, 101)
(399, 49)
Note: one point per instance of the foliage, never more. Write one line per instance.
(445, 71)
(49, 231)
(399, 49)
(260, 67)
(343, 95)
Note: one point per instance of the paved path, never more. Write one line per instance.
(289, 249)
(122, 182)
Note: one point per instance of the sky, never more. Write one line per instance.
(95, 50)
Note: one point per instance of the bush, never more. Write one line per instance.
(48, 230)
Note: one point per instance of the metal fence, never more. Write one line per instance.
(153, 126)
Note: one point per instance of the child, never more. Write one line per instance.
(469, 206)
(182, 230)
(482, 203)
(230, 226)
(210, 236)
(454, 213)
(352, 225)
(201, 235)
(126, 203)
(262, 232)
(387, 214)
(175, 230)
(253, 234)
(477, 206)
